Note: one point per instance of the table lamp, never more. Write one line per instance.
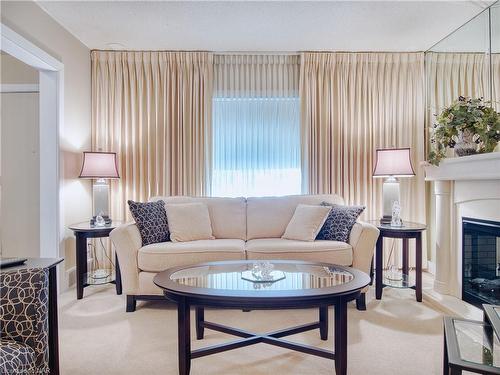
(392, 163)
(100, 166)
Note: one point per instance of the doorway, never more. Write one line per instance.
(49, 115)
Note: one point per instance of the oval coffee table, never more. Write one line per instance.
(227, 285)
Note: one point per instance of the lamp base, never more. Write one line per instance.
(386, 220)
(390, 192)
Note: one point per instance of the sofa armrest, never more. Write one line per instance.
(127, 241)
(363, 239)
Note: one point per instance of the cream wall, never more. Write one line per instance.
(20, 160)
(14, 71)
(31, 22)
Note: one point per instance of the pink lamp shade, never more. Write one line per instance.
(99, 165)
(395, 162)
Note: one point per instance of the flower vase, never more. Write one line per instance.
(465, 144)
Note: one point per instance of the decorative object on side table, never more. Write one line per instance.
(82, 232)
(100, 166)
(392, 163)
(396, 215)
(405, 232)
(469, 126)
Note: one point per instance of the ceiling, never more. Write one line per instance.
(262, 25)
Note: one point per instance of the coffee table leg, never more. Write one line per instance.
(184, 336)
(200, 318)
(378, 267)
(323, 322)
(340, 337)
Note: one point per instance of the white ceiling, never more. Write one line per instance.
(263, 25)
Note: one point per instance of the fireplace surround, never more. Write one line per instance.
(480, 261)
(462, 187)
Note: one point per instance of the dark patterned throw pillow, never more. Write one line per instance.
(151, 219)
(339, 222)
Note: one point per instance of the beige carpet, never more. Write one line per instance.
(394, 336)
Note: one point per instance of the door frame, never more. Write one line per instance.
(51, 112)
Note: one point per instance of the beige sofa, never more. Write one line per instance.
(244, 228)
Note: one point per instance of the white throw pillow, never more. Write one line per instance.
(188, 222)
(306, 222)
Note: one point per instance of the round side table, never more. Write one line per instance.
(406, 232)
(83, 231)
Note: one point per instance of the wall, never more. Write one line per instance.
(14, 71)
(31, 22)
(20, 160)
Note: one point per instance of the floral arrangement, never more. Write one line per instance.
(467, 125)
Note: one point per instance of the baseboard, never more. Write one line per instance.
(431, 267)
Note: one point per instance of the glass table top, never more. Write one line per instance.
(85, 226)
(477, 343)
(261, 275)
(407, 226)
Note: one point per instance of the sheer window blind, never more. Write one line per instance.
(255, 126)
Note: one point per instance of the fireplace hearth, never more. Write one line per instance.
(480, 261)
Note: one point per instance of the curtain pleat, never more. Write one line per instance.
(256, 125)
(495, 80)
(154, 110)
(352, 104)
(450, 75)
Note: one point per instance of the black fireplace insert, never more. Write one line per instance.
(480, 261)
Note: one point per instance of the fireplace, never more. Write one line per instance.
(480, 261)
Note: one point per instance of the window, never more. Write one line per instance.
(256, 146)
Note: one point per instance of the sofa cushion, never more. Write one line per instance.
(268, 217)
(151, 220)
(228, 215)
(160, 256)
(339, 222)
(306, 222)
(189, 222)
(317, 251)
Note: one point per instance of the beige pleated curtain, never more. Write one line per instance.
(352, 104)
(256, 76)
(153, 109)
(450, 75)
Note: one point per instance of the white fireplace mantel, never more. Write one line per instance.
(474, 167)
(464, 186)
